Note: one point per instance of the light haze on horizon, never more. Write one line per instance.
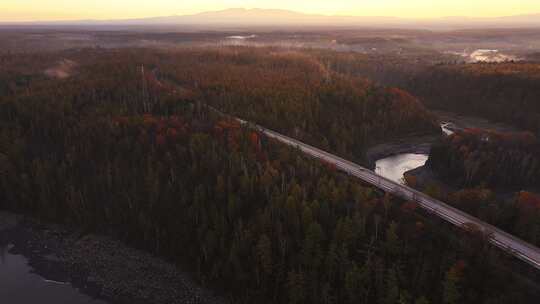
(46, 10)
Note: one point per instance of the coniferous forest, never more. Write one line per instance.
(476, 157)
(506, 92)
(128, 146)
(482, 163)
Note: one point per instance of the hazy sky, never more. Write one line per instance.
(18, 10)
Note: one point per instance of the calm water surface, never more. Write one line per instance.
(446, 128)
(395, 166)
(20, 285)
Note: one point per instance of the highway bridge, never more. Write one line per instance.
(509, 243)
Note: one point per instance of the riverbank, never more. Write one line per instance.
(99, 266)
(460, 122)
(451, 122)
(425, 177)
(408, 148)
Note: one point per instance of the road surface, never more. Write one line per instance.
(509, 243)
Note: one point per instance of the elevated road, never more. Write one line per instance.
(509, 243)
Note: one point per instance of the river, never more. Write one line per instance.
(394, 167)
(20, 284)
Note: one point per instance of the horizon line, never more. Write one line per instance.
(434, 18)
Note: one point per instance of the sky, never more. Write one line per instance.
(33, 10)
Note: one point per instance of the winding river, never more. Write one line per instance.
(394, 167)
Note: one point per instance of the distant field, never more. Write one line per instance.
(453, 45)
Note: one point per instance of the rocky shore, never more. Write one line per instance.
(101, 267)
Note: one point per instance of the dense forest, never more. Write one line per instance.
(506, 92)
(474, 157)
(519, 215)
(132, 152)
(289, 91)
(296, 93)
(488, 167)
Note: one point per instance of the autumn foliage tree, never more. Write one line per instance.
(473, 157)
(112, 151)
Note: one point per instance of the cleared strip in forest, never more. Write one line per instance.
(513, 245)
(507, 242)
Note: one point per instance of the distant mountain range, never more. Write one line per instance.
(238, 17)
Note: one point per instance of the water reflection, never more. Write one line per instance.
(19, 284)
(447, 128)
(395, 166)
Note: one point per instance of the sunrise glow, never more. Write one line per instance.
(31, 10)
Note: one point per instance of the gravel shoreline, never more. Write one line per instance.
(100, 266)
